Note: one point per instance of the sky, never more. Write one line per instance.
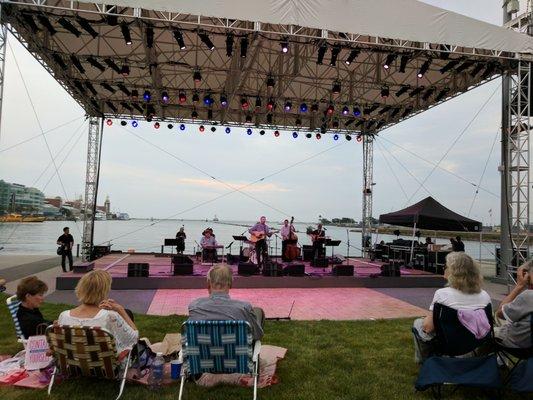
(170, 174)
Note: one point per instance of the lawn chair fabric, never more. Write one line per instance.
(522, 377)
(13, 306)
(217, 347)
(481, 372)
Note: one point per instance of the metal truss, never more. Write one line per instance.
(91, 184)
(368, 192)
(3, 46)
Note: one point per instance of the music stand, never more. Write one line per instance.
(242, 239)
(332, 244)
(173, 243)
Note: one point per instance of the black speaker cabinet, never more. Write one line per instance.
(82, 268)
(182, 259)
(320, 262)
(307, 252)
(248, 269)
(294, 270)
(273, 268)
(183, 269)
(342, 270)
(390, 270)
(138, 270)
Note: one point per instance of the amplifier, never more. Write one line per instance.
(138, 270)
(320, 262)
(248, 269)
(182, 259)
(294, 270)
(390, 270)
(307, 252)
(342, 270)
(273, 268)
(81, 268)
(183, 269)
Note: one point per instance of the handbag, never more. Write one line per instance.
(60, 251)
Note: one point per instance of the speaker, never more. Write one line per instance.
(232, 259)
(390, 270)
(342, 270)
(183, 269)
(294, 270)
(138, 270)
(82, 268)
(247, 269)
(273, 268)
(307, 252)
(182, 259)
(320, 262)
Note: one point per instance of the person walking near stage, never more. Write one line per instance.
(260, 231)
(180, 237)
(66, 241)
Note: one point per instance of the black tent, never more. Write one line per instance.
(430, 214)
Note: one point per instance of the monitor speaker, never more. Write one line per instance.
(320, 262)
(342, 270)
(307, 252)
(273, 268)
(82, 268)
(138, 270)
(183, 269)
(294, 270)
(390, 270)
(247, 269)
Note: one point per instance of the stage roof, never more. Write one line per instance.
(82, 44)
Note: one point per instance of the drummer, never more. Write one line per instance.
(208, 243)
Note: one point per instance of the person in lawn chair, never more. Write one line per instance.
(30, 292)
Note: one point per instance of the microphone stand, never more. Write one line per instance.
(276, 235)
(348, 246)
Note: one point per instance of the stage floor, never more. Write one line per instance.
(366, 275)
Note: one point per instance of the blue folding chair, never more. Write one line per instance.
(13, 304)
(219, 347)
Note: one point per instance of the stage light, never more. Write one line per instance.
(298, 122)
(335, 50)
(77, 63)
(335, 124)
(269, 118)
(213, 129)
(134, 123)
(204, 37)
(451, 64)
(182, 97)
(123, 123)
(44, 21)
(270, 105)
(385, 91)
(394, 112)
(270, 82)
(178, 36)
(249, 131)
(330, 109)
(288, 106)
(157, 125)
(244, 47)
(134, 94)
(201, 128)
(345, 110)
(261, 132)
(407, 112)
(336, 88)
(208, 100)
(227, 130)
(147, 96)
(314, 107)
(111, 64)
(373, 108)
(476, 70)
(59, 60)
(194, 114)
(197, 76)
(308, 135)
(416, 91)
(125, 70)
(284, 46)
(352, 56)
(428, 93)
(125, 29)
(248, 119)
(182, 127)
(109, 122)
(86, 26)
(295, 135)
(424, 68)
(276, 133)
(384, 110)
(65, 23)
(124, 89)
(91, 60)
(489, 71)
(244, 103)
(356, 111)
(321, 53)
(390, 59)
(149, 37)
(112, 20)
(195, 98)
(165, 97)
(303, 107)
(150, 110)
(108, 87)
(403, 63)
(28, 19)
(467, 64)
(335, 137)
(318, 136)
(210, 114)
(229, 44)
(170, 126)
(223, 101)
(402, 90)
(348, 137)
(258, 102)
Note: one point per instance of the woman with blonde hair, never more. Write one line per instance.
(463, 292)
(96, 309)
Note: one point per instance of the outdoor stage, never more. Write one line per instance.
(366, 275)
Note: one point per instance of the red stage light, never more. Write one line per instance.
(276, 133)
(157, 125)
(109, 122)
(318, 136)
(201, 128)
(244, 104)
(330, 109)
(182, 98)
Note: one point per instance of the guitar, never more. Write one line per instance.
(257, 236)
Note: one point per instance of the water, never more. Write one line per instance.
(148, 236)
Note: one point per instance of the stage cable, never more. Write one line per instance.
(392, 172)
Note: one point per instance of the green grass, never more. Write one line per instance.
(325, 360)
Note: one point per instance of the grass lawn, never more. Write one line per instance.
(325, 360)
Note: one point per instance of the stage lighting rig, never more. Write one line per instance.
(244, 46)
(65, 23)
(95, 63)
(76, 62)
(59, 60)
(149, 36)
(111, 64)
(125, 29)
(124, 89)
(30, 23)
(91, 88)
(229, 44)
(404, 59)
(284, 46)
(44, 21)
(352, 56)
(204, 37)
(424, 68)
(390, 59)
(86, 26)
(178, 36)
(111, 106)
(322, 48)
(335, 51)
(403, 89)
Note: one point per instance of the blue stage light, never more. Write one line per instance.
(295, 135)
(303, 107)
(147, 96)
(335, 137)
(135, 124)
(228, 130)
(182, 127)
(249, 131)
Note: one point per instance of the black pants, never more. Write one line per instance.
(318, 249)
(66, 253)
(284, 244)
(261, 250)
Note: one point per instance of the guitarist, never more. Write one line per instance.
(261, 230)
(318, 237)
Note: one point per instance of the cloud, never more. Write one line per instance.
(211, 183)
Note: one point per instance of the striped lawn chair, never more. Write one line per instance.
(85, 351)
(13, 306)
(219, 347)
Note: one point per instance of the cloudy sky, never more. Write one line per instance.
(164, 173)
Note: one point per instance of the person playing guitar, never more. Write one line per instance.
(318, 237)
(259, 233)
(287, 237)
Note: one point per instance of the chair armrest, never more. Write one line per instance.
(180, 356)
(257, 350)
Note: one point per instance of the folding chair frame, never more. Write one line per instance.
(13, 312)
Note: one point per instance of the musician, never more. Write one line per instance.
(318, 237)
(261, 248)
(180, 237)
(287, 235)
(208, 242)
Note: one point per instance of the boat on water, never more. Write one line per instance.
(21, 218)
(123, 217)
(215, 219)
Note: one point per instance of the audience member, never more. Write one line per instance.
(219, 305)
(96, 309)
(516, 309)
(463, 292)
(30, 291)
(458, 244)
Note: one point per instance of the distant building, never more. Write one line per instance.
(54, 201)
(21, 199)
